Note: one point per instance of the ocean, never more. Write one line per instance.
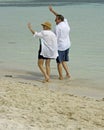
(18, 48)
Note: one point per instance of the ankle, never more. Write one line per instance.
(61, 78)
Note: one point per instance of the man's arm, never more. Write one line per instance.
(51, 9)
(30, 28)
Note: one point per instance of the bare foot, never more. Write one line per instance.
(68, 76)
(61, 78)
(45, 80)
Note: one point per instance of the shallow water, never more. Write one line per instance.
(18, 49)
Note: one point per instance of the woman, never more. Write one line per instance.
(48, 48)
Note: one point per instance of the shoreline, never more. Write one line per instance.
(68, 86)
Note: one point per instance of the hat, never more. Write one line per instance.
(48, 24)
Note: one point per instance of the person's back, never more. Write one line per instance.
(49, 43)
(47, 49)
(63, 40)
(62, 32)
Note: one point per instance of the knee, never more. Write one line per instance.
(47, 64)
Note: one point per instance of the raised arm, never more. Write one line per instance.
(51, 10)
(30, 28)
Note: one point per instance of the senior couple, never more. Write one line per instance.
(53, 45)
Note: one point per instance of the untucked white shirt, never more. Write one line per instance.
(49, 43)
(62, 31)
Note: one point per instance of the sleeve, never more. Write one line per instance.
(66, 22)
(38, 34)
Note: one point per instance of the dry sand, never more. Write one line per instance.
(32, 105)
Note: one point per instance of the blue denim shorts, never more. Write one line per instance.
(63, 56)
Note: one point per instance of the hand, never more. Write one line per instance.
(30, 28)
(29, 25)
(50, 8)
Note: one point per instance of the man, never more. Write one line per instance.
(48, 48)
(62, 32)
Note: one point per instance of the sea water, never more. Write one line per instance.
(18, 48)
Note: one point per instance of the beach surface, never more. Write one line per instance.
(28, 104)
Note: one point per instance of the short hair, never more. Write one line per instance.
(59, 16)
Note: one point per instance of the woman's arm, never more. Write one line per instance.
(30, 28)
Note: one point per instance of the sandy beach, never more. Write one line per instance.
(27, 104)
(71, 104)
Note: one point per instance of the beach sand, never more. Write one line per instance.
(27, 104)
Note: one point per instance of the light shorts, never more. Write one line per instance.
(63, 56)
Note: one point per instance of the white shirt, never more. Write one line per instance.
(62, 32)
(49, 43)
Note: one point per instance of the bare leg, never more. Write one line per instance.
(40, 64)
(47, 64)
(59, 66)
(66, 69)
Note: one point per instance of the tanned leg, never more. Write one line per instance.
(66, 69)
(40, 64)
(59, 67)
(47, 64)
